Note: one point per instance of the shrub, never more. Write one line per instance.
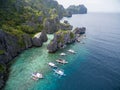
(2, 52)
(2, 68)
(27, 29)
(71, 35)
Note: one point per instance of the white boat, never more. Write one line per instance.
(59, 72)
(62, 54)
(71, 51)
(52, 64)
(62, 61)
(37, 76)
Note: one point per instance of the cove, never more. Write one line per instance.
(36, 60)
(96, 66)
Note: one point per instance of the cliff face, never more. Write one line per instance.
(80, 9)
(65, 26)
(60, 39)
(10, 46)
(79, 30)
(51, 25)
(39, 39)
(63, 37)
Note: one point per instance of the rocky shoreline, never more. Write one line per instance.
(62, 38)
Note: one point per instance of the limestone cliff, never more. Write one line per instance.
(65, 26)
(60, 39)
(11, 46)
(39, 38)
(80, 9)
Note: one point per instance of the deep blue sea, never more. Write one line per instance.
(95, 66)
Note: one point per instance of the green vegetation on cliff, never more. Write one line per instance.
(2, 52)
(27, 16)
(2, 68)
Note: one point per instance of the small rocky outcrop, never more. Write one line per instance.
(79, 30)
(52, 46)
(80, 9)
(60, 39)
(39, 38)
(65, 26)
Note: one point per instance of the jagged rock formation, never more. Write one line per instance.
(60, 39)
(66, 26)
(39, 38)
(44, 37)
(80, 9)
(79, 30)
(51, 25)
(63, 37)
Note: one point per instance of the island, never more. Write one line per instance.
(80, 9)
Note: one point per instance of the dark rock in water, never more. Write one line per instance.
(79, 30)
(43, 36)
(80, 9)
(52, 46)
(60, 39)
(65, 21)
(39, 38)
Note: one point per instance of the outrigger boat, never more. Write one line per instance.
(52, 65)
(71, 51)
(59, 72)
(37, 76)
(61, 61)
(62, 54)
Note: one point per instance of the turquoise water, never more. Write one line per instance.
(96, 66)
